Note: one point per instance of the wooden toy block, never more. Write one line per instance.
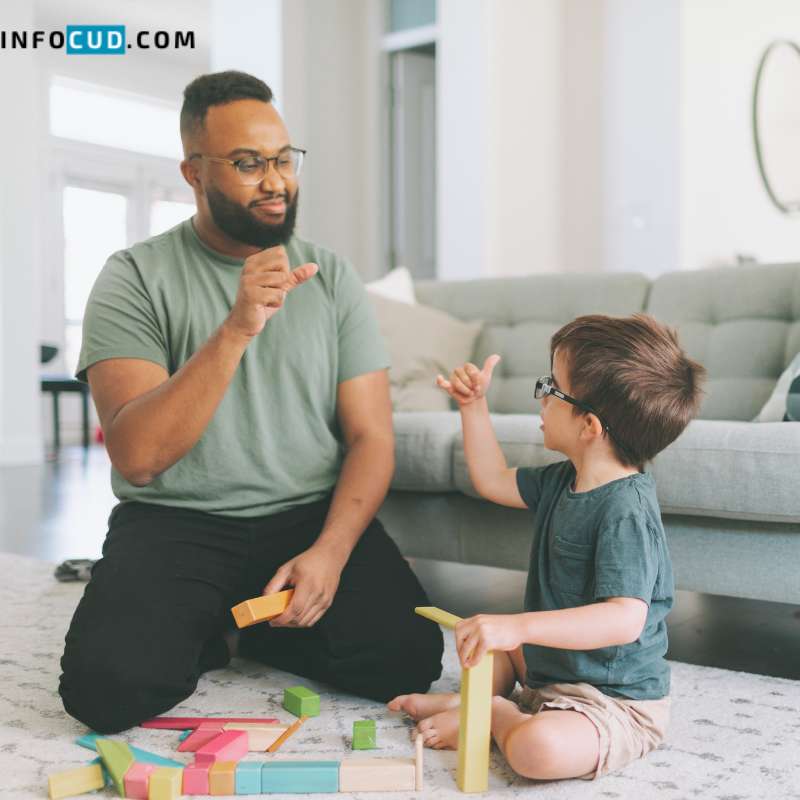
(443, 618)
(377, 775)
(227, 746)
(474, 737)
(300, 777)
(117, 757)
(136, 779)
(198, 738)
(261, 609)
(418, 771)
(259, 737)
(181, 723)
(185, 735)
(248, 777)
(292, 729)
(222, 778)
(165, 783)
(76, 781)
(364, 736)
(195, 779)
(89, 739)
(301, 702)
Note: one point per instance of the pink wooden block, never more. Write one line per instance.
(136, 779)
(228, 746)
(198, 738)
(195, 779)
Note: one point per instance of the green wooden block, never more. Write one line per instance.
(364, 735)
(301, 702)
(117, 757)
(300, 777)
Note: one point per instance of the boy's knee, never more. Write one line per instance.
(533, 750)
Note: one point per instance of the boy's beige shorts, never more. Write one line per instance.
(628, 729)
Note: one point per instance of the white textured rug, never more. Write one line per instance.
(734, 736)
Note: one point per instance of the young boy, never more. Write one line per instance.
(590, 648)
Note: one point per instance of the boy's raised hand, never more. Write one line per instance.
(469, 383)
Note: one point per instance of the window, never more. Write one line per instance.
(86, 112)
(95, 223)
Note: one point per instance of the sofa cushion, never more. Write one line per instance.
(742, 323)
(422, 342)
(521, 315)
(734, 470)
(424, 450)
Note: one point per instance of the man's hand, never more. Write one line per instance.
(469, 383)
(314, 574)
(263, 285)
(477, 635)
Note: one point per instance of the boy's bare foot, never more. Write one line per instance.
(441, 730)
(421, 706)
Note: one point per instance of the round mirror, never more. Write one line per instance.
(776, 124)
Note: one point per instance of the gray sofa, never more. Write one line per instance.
(729, 488)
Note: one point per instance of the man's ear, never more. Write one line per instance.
(191, 174)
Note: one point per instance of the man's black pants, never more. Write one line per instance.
(152, 618)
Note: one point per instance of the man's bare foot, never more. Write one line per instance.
(420, 706)
(441, 730)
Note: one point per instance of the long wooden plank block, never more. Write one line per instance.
(474, 731)
(182, 723)
(444, 618)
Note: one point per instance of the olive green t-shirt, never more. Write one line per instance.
(588, 546)
(273, 442)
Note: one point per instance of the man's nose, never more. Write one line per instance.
(273, 181)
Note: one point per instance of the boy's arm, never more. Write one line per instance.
(488, 470)
(611, 622)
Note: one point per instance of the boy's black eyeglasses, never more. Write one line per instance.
(544, 386)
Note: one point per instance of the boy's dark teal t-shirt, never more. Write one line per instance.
(588, 546)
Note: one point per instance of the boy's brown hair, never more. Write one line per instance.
(636, 378)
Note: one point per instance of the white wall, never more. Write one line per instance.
(525, 144)
(724, 207)
(332, 107)
(20, 198)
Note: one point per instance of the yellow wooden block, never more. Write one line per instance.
(166, 783)
(261, 609)
(75, 781)
(377, 775)
(444, 618)
(474, 732)
(222, 778)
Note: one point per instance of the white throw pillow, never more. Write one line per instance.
(422, 342)
(775, 408)
(395, 285)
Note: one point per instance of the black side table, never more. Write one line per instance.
(56, 384)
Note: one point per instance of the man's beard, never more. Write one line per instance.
(239, 223)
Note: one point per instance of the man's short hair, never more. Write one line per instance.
(636, 377)
(216, 89)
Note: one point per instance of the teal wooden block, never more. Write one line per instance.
(301, 702)
(88, 740)
(248, 777)
(364, 735)
(185, 735)
(300, 777)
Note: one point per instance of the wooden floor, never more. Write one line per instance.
(59, 510)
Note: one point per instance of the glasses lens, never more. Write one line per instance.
(290, 163)
(251, 170)
(540, 391)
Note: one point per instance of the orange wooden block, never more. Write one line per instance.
(286, 734)
(261, 609)
(222, 778)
